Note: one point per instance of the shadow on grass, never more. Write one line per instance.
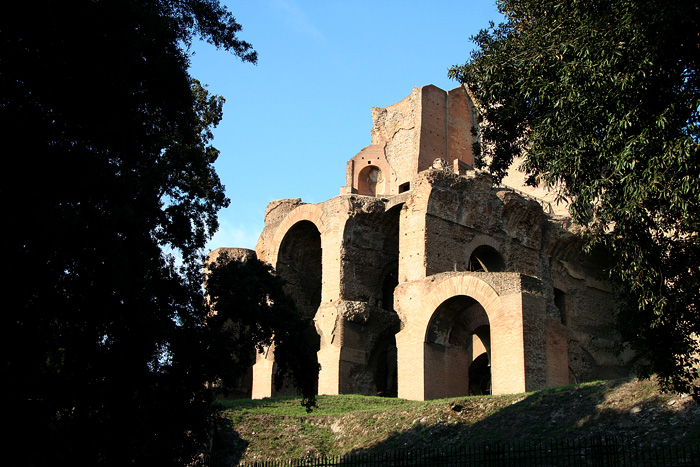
(227, 445)
(632, 410)
(566, 413)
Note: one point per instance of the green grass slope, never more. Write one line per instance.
(272, 429)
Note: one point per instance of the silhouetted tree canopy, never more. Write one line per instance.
(249, 311)
(602, 98)
(108, 176)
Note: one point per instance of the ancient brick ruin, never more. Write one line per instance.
(426, 280)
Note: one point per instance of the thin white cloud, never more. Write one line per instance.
(296, 19)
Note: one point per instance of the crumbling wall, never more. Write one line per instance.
(275, 213)
(417, 229)
(366, 321)
(368, 355)
(464, 210)
(396, 128)
(462, 117)
(370, 249)
(409, 135)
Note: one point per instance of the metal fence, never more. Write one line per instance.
(599, 451)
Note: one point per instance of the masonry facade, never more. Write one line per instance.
(426, 280)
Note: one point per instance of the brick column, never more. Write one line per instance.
(507, 346)
(263, 371)
(329, 353)
(410, 364)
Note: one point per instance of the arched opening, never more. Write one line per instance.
(383, 356)
(457, 344)
(299, 264)
(383, 362)
(370, 181)
(480, 356)
(480, 376)
(487, 259)
(371, 258)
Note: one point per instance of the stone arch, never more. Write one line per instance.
(484, 254)
(506, 346)
(458, 329)
(486, 258)
(297, 258)
(305, 212)
(371, 156)
(461, 284)
(299, 264)
(371, 181)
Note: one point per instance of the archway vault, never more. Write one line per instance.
(418, 301)
(458, 329)
(305, 212)
(296, 254)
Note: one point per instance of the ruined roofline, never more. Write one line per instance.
(406, 138)
(456, 171)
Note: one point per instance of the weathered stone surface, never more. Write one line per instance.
(354, 312)
(425, 280)
(235, 254)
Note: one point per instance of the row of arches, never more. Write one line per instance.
(457, 340)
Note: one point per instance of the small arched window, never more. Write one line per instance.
(370, 181)
(487, 259)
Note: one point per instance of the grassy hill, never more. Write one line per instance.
(271, 429)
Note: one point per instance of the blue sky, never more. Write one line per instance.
(293, 120)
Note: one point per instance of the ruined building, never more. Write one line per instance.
(426, 280)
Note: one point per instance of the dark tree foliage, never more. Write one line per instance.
(107, 164)
(602, 97)
(250, 312)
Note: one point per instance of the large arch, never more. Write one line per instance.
(306, 212)
(419, 301)
(370, 258)
(457, 333)
(297, 258)
(299, 264)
